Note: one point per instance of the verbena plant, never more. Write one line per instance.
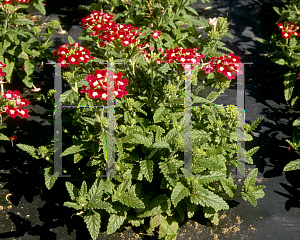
(285, 50)
(20, 46)
(149, 129)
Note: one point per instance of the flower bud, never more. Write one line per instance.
(54, 25)
(36, 30)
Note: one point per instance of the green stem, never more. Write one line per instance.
(204, 89)
(152, 87)
(211, 48)
(152, 153)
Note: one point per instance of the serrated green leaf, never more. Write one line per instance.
(279, 61)
(255, 124)
(115, 222)
(22, 21)
(72, 150)
(204, 197)
(293, 165)
(9, 69)
(3, 137)
(95, 192)
(160, 114)
(47, 45)
(289, 84)
(69, 96)
(168, 227)
(72, 190)
(179, 192)
(40, 6)
(147, 169)
(83, 189)
(250, 180)
(50, 177)
(77, 157)
(296, 122)
(29, 66)
(156, 220)
(72, 205)
(161, 145)
(29, 149)
(93, 223)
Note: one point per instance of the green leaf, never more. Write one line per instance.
(254, 125)
(95, 192)
(147, 169)
(22, 21)
(83, 189)
(168, 227)
(156, 220)
(72, 150)
(161, 145)
(39, 6)
(289, 83)
(72, 190)
(179, 192)
(9, 69)
(253, 194)
(160, 114)
(279, 61)
(192, 10)
(29, 66)
(71, 40)
(50, 178)
(77, 157)
(72, 205)
(296, 122)
(167, 37)
(204, 197)
(293, 165)
(3, 137)
(47, 45)
(262, 41)
(69, 96)
(140, 139)
(29, 149)
(164, 68)
(115, 222)
(93, 223)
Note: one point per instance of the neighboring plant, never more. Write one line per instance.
(149, 129)
(294, 145)
(20, 47)
(10, 104)
(286, 50)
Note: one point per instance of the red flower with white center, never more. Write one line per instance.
(147, 58)
(11, 111)
(23, 113)
(156, 34)
(23, 1)
(146, 44)
(151, 48)
(160, 50)
(158, 61)
(73, 54)
(227, 65)
(99, 87)
(3, 65)
(289, 29)
(139, 46)
(7, 2)
(9, 95)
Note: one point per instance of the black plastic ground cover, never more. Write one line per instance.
(36, 213)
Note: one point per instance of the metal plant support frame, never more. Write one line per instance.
(110, 166)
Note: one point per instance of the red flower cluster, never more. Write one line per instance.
(100, 24)
(185, 56)
(156, 34)
(289, 29)
(13, 112)
(10, 1)
(99, 88)
(2, 65)
(228, 65)
(73, 54)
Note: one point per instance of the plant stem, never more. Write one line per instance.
(204, 89)
(152, 153)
